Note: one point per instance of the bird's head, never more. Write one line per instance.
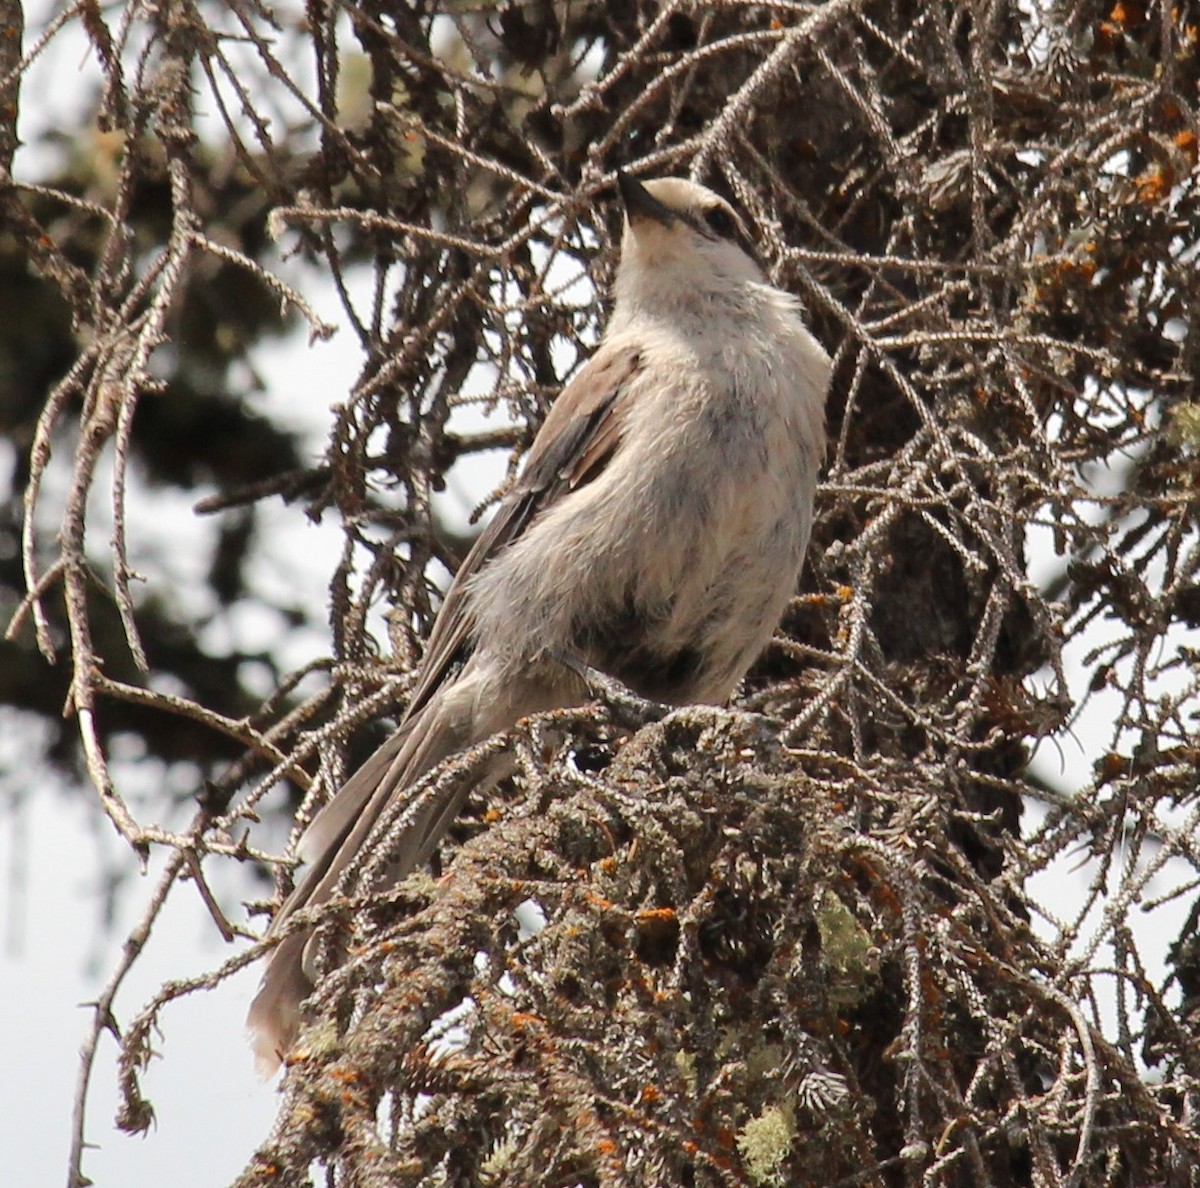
(681, 237)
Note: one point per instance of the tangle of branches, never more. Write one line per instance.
(807, 938)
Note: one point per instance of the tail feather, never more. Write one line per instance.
(334, 840)
(274, 1018)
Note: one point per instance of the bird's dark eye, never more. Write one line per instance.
(720, 222)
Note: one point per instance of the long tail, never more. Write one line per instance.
(334, 840)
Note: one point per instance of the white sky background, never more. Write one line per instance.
(211, 1110)
(57, 949)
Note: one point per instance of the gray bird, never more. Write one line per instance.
(656, 533)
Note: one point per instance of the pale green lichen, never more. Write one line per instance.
(765, 1143)
(685, 1065)
(1184, 427)
(318, 1042)
(850, 958)
(764, 1060)
(493, 1168)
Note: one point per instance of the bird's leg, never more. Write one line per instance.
(629, 709)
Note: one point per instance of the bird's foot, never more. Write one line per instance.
(629, 709)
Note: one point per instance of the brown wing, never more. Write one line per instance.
(579, 435)
(576, 439)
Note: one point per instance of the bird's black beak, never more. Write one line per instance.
(639, 203)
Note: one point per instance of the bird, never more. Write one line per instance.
(656, 533)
